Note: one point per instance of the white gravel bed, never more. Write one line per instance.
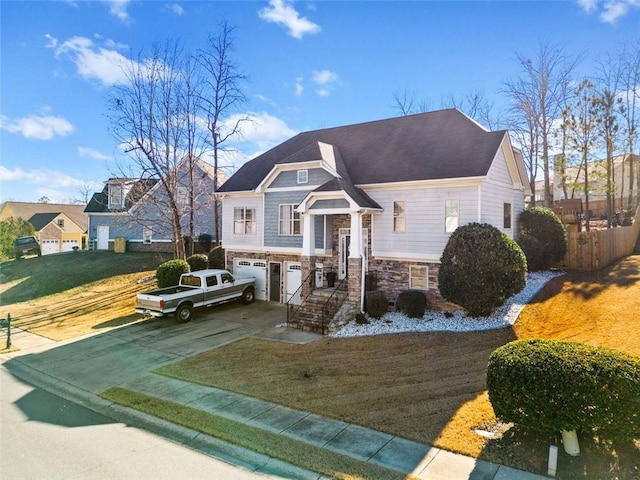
(435, 321)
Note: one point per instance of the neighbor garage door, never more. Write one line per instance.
(246, 267)
(49, 246)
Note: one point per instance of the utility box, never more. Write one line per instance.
(119, 245)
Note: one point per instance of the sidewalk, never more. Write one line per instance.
(81, 369)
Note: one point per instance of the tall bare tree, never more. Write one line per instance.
(629, 57)
(541, 90)
(583, 124)
(221, 96)
(148, 121)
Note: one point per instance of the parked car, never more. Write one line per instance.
(202, 288)
(27, 245)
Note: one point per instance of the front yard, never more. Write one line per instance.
(430, 387)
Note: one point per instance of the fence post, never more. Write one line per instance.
(6, 323)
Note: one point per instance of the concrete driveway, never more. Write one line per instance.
(116, 357)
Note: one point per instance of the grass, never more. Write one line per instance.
(68, 295)
(289, 450)
(427, 387)
(431, 387)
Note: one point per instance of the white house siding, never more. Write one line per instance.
(424, 237)
(230, 239)
(497, 190)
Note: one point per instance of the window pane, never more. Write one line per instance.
(398, 217)
(507, 215)
(451, 215)
(418, 277)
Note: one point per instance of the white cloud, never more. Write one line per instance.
(118, 9)
(612, 10)
(262, 129)
(281, 12)
(49, 178)
(325, 81)
(38, 127)
(177, 9)
(92, 153)
(94, 62)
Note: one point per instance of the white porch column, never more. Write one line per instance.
(355, 248)
(308, 235)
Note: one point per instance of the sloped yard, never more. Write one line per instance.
(430, 387)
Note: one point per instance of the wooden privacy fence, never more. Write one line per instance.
(598, 248)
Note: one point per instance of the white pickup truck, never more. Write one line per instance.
(201, 288)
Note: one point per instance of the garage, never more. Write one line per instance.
(67, 245)
(245, 267)
(49, 246)
(293, 280)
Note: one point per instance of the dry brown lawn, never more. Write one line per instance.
(431, 387)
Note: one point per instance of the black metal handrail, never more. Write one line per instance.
(293, 309)
(333, 303)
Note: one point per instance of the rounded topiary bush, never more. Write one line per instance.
(376, 303)
(197, 262)
(532, 251)
(216, 257)
(412, 303)
(168, 274)
(204, 242)
(480, 268)
(549, 385)
(543, 225)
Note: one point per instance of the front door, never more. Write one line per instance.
(345, 242)
(275, 282)
(103, 237)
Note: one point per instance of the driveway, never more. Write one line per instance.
(116, 357)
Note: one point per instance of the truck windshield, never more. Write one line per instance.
(190, 280)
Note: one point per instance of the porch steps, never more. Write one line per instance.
(309, 315)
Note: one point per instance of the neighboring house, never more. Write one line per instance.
(59, 227)
(137, 210)
(374, 203)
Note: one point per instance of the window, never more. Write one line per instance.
(451, 215)
(182, 196)
(115, 196)
(418, 277)
(61, 222)
(303, 176)
(289, 220)
(147, 233)
(226, 278)
(244, 222)
(507, 215)
(212, 281)
(398, 217)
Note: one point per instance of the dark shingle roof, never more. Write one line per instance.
(428, 146)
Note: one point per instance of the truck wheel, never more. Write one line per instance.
(184, 314)
(248, 295)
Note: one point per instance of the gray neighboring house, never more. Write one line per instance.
(135, 209)
(373, 203)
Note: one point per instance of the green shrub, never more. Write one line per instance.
(412, 303)
(361, 319)
(204, 242)
(549, 385)
(198, 262)
(376, 303)
(168, 274)
(532, 251)
(481, 268)
(543, 225)
(216, 257)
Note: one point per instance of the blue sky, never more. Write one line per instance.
(310, 65)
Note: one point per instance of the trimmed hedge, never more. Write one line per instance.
(168, 274)
(376, 303)
(480, 268)
(543, 225)
(197, 262)
(412, 303)
(549, 385)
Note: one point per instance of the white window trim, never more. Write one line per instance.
(504, 217)
(426, 277)
(245, 231)
(448, 229)
(303, 176)
(403, 216)
(147, 234)
(294, 219)
(112, 189)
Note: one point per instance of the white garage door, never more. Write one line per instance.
(67, 245)
(49, 246)
(293, 280)
(244, 267)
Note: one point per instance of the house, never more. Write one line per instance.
(59, 227)
(137, 210)
(374, 203)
